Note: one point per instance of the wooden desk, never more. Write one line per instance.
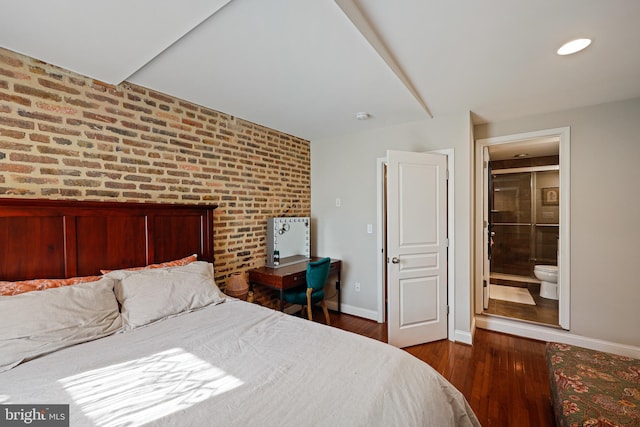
(290, 276)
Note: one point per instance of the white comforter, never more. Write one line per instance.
(238, 364)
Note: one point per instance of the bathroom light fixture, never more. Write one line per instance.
(363, 116)
(573, 46)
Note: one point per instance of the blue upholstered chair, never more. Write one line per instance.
(317, 275)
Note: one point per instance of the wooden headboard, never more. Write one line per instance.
(60, 238)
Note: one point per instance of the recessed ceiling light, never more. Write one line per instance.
(574, 46)
(363, 116)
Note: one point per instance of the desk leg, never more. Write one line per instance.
(338, 290)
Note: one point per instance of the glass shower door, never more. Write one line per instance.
(511, 221)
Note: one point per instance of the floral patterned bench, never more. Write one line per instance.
(592, 388)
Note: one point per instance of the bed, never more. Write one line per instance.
(161, 345)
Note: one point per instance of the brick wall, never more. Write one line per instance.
(65, 136)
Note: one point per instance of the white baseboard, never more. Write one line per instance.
(459, 336)
(463, 337)
(355, 311)
(556, 335)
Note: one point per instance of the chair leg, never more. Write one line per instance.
(326, 312)
(309, 292)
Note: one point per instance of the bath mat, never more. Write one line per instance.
(510, 293)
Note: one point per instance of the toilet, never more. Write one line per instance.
(548, 275)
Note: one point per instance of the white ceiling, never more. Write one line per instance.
(303, 67)
(538, 147)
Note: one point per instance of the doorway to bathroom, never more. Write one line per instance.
(523, 223)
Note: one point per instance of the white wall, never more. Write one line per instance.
(345, 168)
(605, 209)
(605, 215)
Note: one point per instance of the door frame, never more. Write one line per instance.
(564, 259)
(381, 249)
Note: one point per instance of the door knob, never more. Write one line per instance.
(395, 260)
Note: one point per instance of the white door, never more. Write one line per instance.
(416, 247)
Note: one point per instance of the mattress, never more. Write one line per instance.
(238, 364)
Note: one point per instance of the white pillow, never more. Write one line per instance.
(39, 322)
(146, 296)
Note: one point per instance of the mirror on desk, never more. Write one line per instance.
(288, 241)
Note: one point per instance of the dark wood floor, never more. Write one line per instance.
(503, 377)
(545, 311)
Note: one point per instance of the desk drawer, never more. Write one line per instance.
(292, 280)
